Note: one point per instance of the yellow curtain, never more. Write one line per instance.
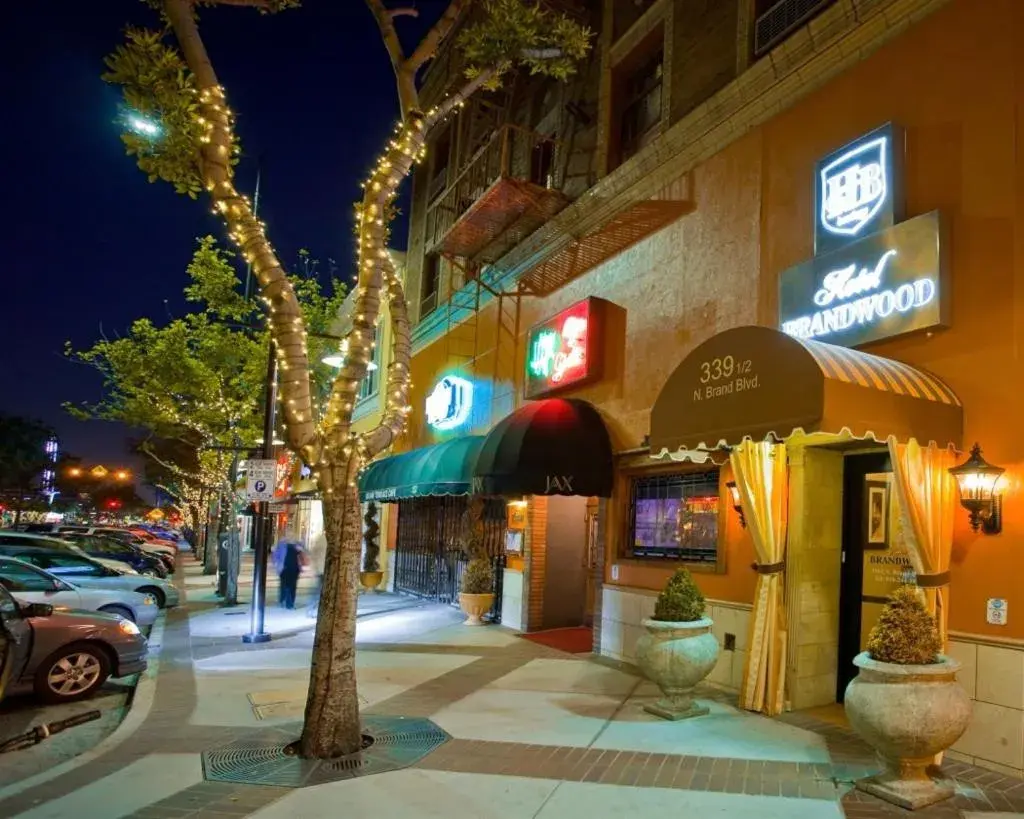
(927, 496)
(762, 479)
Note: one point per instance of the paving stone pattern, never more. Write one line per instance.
(167, 730)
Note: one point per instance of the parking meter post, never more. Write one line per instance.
(257, 606)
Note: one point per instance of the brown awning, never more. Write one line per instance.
(755, 382)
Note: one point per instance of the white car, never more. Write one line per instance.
(28, 584)
(85, 571)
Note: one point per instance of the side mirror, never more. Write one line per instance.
(36, 610)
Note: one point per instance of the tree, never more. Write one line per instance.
(23, 459)
(196, 383)
(195, 151)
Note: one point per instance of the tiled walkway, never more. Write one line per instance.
(536, 733)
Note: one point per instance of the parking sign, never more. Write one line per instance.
(260, 478)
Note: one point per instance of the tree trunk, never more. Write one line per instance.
(210, 547)
(332, 726)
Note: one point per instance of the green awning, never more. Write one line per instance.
(442, 469)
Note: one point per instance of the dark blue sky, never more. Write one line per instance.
(88, 242)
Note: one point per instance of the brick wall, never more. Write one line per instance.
(536, 562)
(703, 54)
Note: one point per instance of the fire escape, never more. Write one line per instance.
(507, 188)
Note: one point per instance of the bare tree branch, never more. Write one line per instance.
(256, 4)
(386, 25)
(460, 96)
(430, 44)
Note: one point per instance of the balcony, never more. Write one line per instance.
(507, 190)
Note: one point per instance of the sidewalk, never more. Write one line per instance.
(535, 733)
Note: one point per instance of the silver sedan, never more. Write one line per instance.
(29, 584)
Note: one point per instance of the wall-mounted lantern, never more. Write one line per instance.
(977, 479)
(734, 494)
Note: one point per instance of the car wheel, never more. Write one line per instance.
(120, 611)
(158, 595)
(71, 673)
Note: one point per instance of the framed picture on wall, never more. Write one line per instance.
(514, 541)
(877, 514)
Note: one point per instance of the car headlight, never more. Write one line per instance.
(149, 600)
(128, 627)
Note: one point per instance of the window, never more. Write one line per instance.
(19, 578)
(368, 386)
(70, 565)
(675, 517)
(439, 165)
(431, 281)
(542, 163)
(641, 105)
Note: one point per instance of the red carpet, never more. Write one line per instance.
(574, 640)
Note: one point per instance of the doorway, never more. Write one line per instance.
(565, 575)
(874, 556)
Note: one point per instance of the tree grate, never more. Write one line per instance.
(391, 743)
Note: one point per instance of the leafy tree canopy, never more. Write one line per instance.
(200, 378)
(22, 454)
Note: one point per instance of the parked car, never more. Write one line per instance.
(65, 656)
(83, 570)
(30, 584)
(98, 546)
(165, 551)
(53, 542)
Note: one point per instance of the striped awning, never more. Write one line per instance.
(751, 383)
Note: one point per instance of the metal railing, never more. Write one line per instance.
(508, 153)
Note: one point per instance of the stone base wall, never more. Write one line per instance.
(993, 676)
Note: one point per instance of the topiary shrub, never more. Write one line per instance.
(905, 633)
(478, 577)
(680, 601)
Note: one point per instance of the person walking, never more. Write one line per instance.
(289, 558)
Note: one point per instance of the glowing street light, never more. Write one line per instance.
(75, 472)
(143, 125)
(122, 474)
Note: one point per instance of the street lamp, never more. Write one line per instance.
(142, 125)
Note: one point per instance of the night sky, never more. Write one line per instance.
(90, 244)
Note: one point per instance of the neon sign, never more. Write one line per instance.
(449, 403)
(563, 351)
(884, 285)
(857, 189)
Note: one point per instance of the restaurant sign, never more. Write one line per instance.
(858, 189)
(886, 284)
(565, 351)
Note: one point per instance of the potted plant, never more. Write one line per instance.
(678, 650)
(906, 703)
(371, 575)
(476, 595)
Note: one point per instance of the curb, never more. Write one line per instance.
(139, 705)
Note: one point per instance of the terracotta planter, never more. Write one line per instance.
(475, 607)
(370, 580)
(677, 656)
(908, 713)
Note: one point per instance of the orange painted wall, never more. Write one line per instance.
(953, 82)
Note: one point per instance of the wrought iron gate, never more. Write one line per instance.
(429, 560)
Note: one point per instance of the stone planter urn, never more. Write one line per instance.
(908, 714)
(676, 656)
(370, 580)
(475, 606)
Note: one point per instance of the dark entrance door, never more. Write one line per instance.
(858, 530)
(429, 560)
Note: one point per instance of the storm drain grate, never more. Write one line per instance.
(392, 743)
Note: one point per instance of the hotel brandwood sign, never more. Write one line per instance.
(885, 285)
(872, 276)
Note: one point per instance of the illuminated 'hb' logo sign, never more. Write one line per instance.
(854, 187)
